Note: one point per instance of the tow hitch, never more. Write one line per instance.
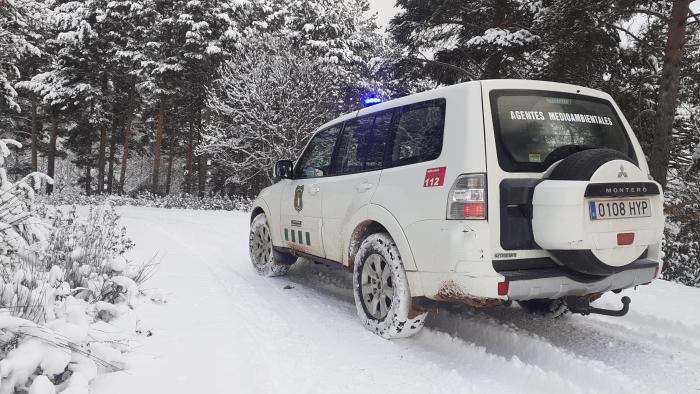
(582, 305)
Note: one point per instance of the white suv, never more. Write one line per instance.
(481, 193)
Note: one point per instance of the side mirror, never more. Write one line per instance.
(284, 169)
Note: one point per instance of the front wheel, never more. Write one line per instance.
(266, 261)
(380, 287)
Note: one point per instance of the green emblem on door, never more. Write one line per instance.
(298, 198)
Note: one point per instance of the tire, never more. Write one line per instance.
(553, 309)
(381, 290)
(582, 165)
(266, 261)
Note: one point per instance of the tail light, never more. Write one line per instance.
(624, 239)
(503, 288)
(467, 199)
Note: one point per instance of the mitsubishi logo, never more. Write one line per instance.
(623, 173)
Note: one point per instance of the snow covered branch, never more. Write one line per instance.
(266, 105)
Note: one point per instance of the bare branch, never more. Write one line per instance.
(695, 16)
(444, 65)
(636, 38)
(651, 13)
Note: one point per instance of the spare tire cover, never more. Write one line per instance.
(562, 222)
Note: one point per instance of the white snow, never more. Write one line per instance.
(503, 38)
(225, 329)
(42, 385)
(129, 286)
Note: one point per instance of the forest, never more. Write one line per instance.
(201, 97)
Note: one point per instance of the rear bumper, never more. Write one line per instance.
(554, 283)
(525, 284)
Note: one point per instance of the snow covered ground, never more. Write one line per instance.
(226, 330)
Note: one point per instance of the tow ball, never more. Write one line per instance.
(582, 305)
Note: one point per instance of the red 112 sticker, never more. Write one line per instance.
(435, 177)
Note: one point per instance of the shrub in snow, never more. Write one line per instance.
(60, 355)
(20, 229)
(682, 235)
(88, 253)
(181, 201)
(682, 250)
(682, 246)
(61, 280)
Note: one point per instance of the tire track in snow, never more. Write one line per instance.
(636, 356)
(321, 341)
(461, 336)
(308, 339)
(260, 319)
(441, 352)
(197, 346)
(684, 337)
(484, 364)
(511, 341)
(664, 342)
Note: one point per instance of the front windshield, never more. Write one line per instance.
(530, 125)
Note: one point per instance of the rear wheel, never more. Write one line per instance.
(266, 261)
(545, 307)
(382, 295)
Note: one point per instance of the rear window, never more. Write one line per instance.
(534, 129)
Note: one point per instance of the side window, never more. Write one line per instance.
(353, 146)
(362, 144)
(419, 133)
(381, 133)
(316, 159)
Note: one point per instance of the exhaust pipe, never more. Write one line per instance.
(582, 306)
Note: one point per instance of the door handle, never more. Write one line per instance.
(364, 186)
(314, 189)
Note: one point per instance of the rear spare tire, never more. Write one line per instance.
(582, 165)
(564, 220)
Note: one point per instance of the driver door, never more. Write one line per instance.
(302, 221)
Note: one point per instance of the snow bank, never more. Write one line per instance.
(62, 279)
(150, 200)
(67, 353)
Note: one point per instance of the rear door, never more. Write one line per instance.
(302, 200)
(357, 169)
(528, 121)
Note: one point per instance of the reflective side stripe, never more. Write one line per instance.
(297, 236)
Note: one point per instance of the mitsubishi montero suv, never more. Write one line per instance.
(480, 193)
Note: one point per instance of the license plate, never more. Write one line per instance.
(619, 209)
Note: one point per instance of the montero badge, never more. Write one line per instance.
(298, 198)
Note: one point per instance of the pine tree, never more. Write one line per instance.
(298, 64)
(187, 42)
(488, 38)
(20, 22)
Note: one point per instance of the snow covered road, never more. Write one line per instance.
(227, 330)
